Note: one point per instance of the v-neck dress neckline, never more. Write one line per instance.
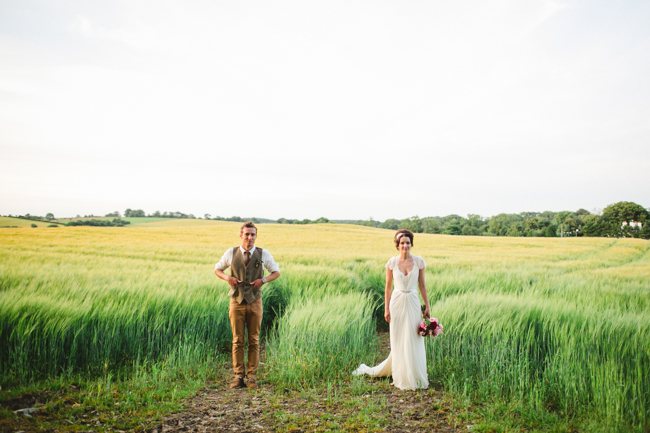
(409, 272)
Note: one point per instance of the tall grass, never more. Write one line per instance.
(68, 308)
(548, 354)
(322, 340)
(556, 324)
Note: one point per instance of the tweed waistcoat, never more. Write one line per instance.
(247, 274)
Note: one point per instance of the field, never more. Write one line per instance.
(556, 328)
(7, 222)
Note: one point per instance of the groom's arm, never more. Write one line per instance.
(228, 278)
(258, 283)
(271, 266)
(222, 265)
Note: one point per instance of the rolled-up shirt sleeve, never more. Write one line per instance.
(269, 263)
(226, 261)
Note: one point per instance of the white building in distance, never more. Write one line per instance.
(632, 224)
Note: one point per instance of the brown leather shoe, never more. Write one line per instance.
(251, 383)
(237, 383)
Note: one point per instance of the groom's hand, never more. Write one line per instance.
(233, 282)
(257, 283)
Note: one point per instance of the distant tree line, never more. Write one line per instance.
(622, 219)
(47, 218)
(139, 213)
(615, 221)
(321, 220)
(116, 222)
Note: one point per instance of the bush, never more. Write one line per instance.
(117, 222)
(34, 226)
(51, 225)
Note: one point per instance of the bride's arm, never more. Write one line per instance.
(423, 292)
(387, 292)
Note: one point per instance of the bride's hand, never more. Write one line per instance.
(427, 313)
(387, 316)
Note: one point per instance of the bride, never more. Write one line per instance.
(407, 360)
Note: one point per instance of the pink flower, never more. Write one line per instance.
(430, 327)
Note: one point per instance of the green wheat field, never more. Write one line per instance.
(557, 325)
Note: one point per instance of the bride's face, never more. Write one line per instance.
(404, 244)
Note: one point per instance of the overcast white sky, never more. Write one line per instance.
(343, 109)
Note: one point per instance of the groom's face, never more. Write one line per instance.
(248, 236)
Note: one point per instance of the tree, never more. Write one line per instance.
(453, 229)
(414, 224)
(560, 217)
(531, 224)
(391, 224)
(49, 216)
(207, 216)
(432, 225)
(644, 233)
(499, 225)
(474, 220)
(127, 213)
(570, 225)
(625, 211)
(515, 230)
(593, 228)
(115, 214)
(550, 231)
(322, 220)
(468, 230)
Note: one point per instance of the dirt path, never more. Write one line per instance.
(380, 407)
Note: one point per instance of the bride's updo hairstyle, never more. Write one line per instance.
(401, 233)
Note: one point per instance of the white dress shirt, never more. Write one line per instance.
(267, 259)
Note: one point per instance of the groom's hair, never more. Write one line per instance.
(248, 224)
(403, 232)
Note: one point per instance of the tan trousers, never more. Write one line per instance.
(244, 316)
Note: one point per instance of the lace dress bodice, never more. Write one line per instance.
(406, 282)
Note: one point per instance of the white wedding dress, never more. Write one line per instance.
(407, 361)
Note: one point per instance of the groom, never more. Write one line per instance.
(247, 263)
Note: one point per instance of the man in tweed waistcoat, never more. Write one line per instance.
(247, 264)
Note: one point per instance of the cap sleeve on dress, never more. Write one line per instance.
(421, 263)
(390, 264)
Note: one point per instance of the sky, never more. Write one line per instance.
(342, 109)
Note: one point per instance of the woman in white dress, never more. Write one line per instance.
(407, 361)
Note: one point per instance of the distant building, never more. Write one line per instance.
(632, 224)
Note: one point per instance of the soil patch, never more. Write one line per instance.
(377, 407)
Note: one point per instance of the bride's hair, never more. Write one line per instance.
(401, 233)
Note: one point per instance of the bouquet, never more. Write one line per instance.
(430, 327)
